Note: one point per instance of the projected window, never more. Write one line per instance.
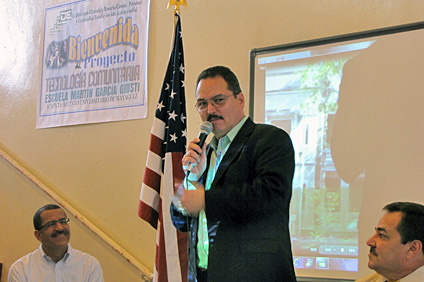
(352, 105)
(301, 93)
(353, 108)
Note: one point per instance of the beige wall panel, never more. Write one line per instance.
(99, 168)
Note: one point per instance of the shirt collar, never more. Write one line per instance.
(230, 134)
(65, 257)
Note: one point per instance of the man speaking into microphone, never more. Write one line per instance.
(236, 195)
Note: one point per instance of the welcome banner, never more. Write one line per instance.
(94, 62)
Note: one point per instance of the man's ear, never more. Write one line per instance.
(240, 98)
(415, 247)
(37, 235)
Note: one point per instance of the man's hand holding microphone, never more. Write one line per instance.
(192, 202)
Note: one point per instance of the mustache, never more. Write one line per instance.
(214, 116)
(372, 251)
(65, 232)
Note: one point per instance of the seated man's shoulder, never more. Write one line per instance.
(28, 257)
(374, 277)
(19, 270)
(80, 255)
(88, 263)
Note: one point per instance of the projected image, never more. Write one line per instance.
(301, 94)
(353, 108)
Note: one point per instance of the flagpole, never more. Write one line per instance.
(177, 4)
(164, 172)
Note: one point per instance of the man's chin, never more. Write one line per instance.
(371, 262)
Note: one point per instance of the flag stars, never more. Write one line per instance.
(173, 138)
(172, 115)
(182, 68)
(159, 106)
(173, 93)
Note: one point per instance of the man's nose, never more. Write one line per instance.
(58, 226)
(211, 107)
(371, 241)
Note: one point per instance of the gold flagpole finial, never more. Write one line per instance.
(177, 4)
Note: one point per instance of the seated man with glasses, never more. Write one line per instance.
(55, 259)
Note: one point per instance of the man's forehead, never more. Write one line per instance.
(45, 215)
(389, 222)
(211, 86)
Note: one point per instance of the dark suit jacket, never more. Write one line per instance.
(247, 208)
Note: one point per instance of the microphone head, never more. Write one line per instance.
(206, 127)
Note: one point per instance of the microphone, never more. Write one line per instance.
(205, 128)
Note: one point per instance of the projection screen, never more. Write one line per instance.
(353, 106)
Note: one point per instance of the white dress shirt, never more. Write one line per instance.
(74, 266)
(416, 276)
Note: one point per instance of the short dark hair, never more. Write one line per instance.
(225, 73)
(37, 216)
(411, 226)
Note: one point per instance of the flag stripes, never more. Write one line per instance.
(163, 173)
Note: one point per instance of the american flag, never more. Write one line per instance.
(168, 140)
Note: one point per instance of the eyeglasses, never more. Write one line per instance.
(217, 101)
(62, 221)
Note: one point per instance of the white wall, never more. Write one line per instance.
(99, 168)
